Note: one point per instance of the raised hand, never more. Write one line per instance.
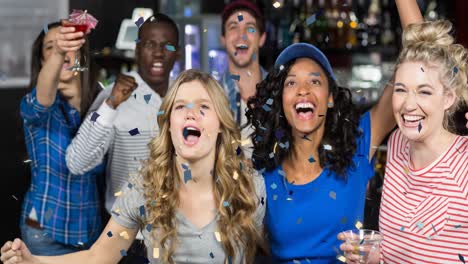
(17, 252)
(68, 39)
(122, 90)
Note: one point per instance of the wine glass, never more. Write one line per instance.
(364, 241)
(79, 27)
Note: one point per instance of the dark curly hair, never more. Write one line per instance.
(272, 128)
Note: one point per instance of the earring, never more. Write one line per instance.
(330, 104)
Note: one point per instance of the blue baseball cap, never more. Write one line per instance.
(304, 50)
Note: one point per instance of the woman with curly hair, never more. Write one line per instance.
(195, 201)
(316, 152)
(424, 213)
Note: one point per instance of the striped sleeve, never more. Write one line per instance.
(91, 143)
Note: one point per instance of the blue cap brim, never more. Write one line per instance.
(305, 50)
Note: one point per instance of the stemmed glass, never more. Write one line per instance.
(364, 241)
(83, 27)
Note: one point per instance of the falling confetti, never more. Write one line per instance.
(462, 259)
(142, 210)
(160, 113)
(170, 47)
(419, 127)
(187, 176)
(273, 186)
(310, 20)
(225, 203)
(240, 17)
(281, 67)
(457, 226)
(147, 97)
(311, 159)
(420, 225)
(332, 195)
(422, 69)
(14, 197)
(155, 253)
(94, 116)
(455, 70)
(130, 186)
(152, 18)
(46, 28)
(235, 176)
(211, 255)
(124, 234)
(341, 258)
(266, 108)
(327, 147)
(139, 22)
(149, 227)
(235, 77)
(269, 101)
(358, 225)
(109, 234)
(117, 194)
(217, 236)
(271, 155)
(134, 132)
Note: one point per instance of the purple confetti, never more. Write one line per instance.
(94, 116)
(139, 22)
(201, 112)
(262, 201)
(279, 134)
(134, 132)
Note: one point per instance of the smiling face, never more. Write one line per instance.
(154, 60)
(242, 39)
(194, 123)
(306, 97)
(419, 100)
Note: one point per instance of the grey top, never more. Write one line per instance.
(194, 245)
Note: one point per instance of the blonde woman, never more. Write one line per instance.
(195, 201)
(424, 215)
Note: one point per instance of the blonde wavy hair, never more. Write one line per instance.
(232, 178)
(432, 44)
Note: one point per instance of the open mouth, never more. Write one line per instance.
(412, 118)
(157, 67)
(305, 110)
(241, 48)
(191, 135)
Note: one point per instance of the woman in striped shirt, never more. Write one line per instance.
(424, 210)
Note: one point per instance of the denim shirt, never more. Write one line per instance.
(232, 91)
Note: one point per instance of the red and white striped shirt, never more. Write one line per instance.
(424, 213)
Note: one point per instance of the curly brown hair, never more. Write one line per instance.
(161, 178)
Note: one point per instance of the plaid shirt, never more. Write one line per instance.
(66, 205)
